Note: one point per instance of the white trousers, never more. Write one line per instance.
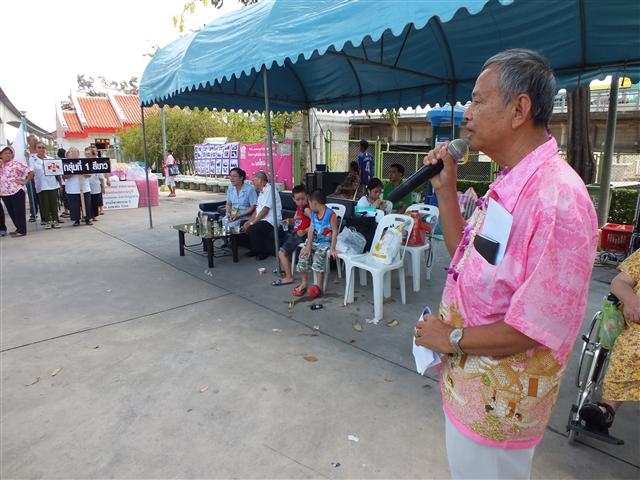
(469, 459)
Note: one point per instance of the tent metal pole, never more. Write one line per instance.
(146, 165)
(30, 191)
(309, 111)
(272, 176)
(164, 134)
(609, 142)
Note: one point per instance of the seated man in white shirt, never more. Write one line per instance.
(260, 225)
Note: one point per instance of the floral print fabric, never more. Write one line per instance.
(622, 379)
(540, 288)
(10, 173)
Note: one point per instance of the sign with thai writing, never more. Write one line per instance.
(253, 157)
(121, 195)
(80, 166)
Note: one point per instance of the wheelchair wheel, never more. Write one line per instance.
(587, 376)
(586, 355)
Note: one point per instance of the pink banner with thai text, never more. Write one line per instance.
(253, 157)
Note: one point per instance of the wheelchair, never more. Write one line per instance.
(594, 359)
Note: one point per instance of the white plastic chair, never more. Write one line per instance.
(380, 272)
(340, 211)
(419, 253)
(344, 257)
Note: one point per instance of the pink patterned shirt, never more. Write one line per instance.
(540, 288)
(10, 173)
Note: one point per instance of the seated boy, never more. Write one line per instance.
(321, 240)
(295, 235)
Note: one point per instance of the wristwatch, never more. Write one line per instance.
(455, 337)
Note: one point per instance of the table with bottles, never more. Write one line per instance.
(208, 231)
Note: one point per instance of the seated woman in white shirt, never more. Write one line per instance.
(241, 198)
(372, 198)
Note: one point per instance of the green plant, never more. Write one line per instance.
(480, 186)
(622, 209)
(623, 205)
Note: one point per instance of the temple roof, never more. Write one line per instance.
(97, 114)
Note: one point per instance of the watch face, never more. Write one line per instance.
(456, 335)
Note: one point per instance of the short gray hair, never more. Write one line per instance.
(526, 71)
(261, 175)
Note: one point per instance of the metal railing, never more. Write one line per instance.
(628, 100)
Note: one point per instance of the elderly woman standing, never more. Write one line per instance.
(14, 176)
(96, 182)
(77, 185)
(47, 187)
(241, 198)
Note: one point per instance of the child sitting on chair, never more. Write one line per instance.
(321, 240)
(373, 198)
(296, 234)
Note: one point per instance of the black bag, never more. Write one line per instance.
(173, 170)
(366, 226)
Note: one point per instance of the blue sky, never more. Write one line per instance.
(47, 43)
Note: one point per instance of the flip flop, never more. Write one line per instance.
(315, 291)
(298, 291)
(278, 282)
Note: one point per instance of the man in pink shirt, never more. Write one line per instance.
(507, 322)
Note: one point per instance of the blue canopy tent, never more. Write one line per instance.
(290, 55)
(368, 54)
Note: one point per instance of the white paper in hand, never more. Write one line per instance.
(424, 357)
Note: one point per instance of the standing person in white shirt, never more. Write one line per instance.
(96, 183)
(260, 225)
(47, 187)
(75, 186)
(32, 195)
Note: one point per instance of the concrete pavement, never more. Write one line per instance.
(170, 369)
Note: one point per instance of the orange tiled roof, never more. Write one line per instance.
(99, 112)
(73, 122)
(130, 105)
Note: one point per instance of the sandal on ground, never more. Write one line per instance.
(315, 291)
(278, 282)
(595, 419)
(299, 291)
(16, 234)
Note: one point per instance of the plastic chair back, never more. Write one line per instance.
(340, 210)
(394, 220)
(425, 209)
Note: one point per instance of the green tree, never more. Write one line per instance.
(186, 127)
(190, 7)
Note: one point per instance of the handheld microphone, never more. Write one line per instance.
(458, 148)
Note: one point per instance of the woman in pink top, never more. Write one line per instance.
(170, 179)
(14, 176)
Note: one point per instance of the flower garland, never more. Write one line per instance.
(472, 227)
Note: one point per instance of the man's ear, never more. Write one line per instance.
(521, 110)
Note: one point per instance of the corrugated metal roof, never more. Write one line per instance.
(99, 112)
(130, 105)
(73, 122)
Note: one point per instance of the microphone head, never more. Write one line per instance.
(458, 149)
